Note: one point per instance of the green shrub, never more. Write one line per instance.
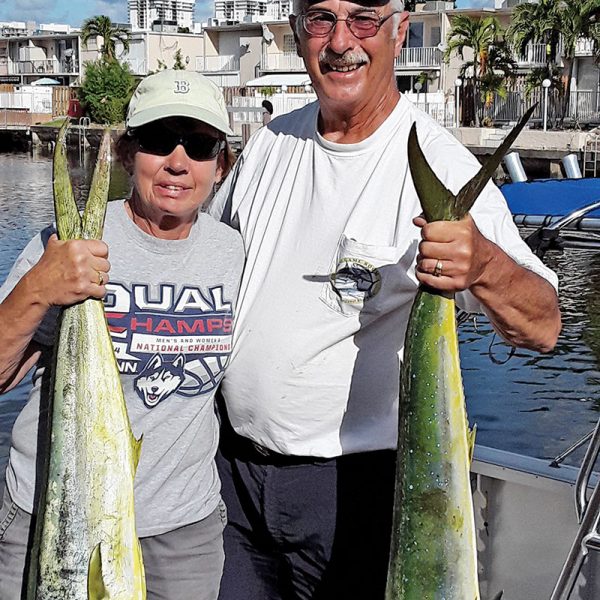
(106, 90)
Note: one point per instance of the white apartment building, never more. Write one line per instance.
(239, 11)
(144, 14)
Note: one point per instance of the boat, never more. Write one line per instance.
(538, 522)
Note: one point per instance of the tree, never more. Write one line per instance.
(106, 91)
(111, 34)
(480, 35)
(179, 64)
(559, 25)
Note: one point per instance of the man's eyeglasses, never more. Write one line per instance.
(320, 23)
(161, 141)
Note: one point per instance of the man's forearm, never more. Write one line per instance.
(522, 306)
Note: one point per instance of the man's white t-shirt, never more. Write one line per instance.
(330, 277)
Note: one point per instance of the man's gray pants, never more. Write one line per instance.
(184, 564)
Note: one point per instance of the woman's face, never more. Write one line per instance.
(168, 181)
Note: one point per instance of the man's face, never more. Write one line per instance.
(345, 70)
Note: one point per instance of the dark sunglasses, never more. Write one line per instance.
(161, 141)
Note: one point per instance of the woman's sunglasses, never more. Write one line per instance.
(161, 141)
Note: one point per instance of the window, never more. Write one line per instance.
(289, 45)
(415, 35)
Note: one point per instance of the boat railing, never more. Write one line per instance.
(588, 515)
(554, 234)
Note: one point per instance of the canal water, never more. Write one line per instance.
(528, 403)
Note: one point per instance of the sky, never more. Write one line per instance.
(74, 12)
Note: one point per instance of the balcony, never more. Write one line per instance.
(534, 56)
(281, 61)
(584, 47)
(427, 56)
(50, 66)
(216, 64)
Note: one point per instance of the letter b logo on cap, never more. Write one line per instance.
(182, 87)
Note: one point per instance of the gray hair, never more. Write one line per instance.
(397, 5)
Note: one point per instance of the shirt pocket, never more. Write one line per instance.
(357, 277)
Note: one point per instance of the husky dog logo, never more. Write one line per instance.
(160, 379)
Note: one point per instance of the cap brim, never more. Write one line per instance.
(178, 110)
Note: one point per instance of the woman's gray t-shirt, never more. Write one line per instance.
(170, 308)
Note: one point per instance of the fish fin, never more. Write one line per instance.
(137, 451)
(471, 434)
(95, 208)
(68, 221)
(436, 200)
(471, 190)
(499, 595)
(96, 587)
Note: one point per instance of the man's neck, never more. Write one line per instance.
(355, 123)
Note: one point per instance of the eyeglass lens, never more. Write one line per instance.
(322, 23)
(161, 141)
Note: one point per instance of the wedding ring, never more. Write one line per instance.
(100, 277)
(437, 271)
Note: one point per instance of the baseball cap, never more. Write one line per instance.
(178, 93)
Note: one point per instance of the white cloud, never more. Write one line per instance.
(115, 9)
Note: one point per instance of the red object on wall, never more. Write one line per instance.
(74, 111)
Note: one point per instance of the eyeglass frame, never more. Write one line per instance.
(349, 20)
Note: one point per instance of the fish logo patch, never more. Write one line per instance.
(355, 280)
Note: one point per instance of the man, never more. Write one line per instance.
(335, 251)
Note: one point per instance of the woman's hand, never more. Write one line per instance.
(70, 271)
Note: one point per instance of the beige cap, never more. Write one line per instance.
(178, 93)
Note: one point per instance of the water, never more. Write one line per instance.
(27, 207)
(533, 404)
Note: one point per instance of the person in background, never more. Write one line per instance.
(172, 268)
(336, 249)
(267, 111)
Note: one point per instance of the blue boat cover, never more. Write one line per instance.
(552, 197)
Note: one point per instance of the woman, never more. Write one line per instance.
(174, 276)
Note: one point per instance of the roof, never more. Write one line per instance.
(276, 79)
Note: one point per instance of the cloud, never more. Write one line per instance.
(115, 9)
(204, 10)
(25, 10)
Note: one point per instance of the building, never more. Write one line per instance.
(238, 11)
(170, 15)
(31, 53)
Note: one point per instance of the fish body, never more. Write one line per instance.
(86, 545)
(433, 553)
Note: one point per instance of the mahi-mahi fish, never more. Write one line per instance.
(433, 552)
(86, 545)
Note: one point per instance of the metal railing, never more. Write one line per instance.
(428, 56)
(534, 55)
(281, 61)
(50, 66)
(214, 64)
(137, 66)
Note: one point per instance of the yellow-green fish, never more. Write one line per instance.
(86, 545)
(433, 553)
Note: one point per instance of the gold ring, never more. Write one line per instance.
(100, 277)
(437, 271)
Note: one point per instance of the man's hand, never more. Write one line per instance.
(522, 306)
(457, 249)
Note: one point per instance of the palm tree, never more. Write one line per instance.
(552, 22)
(479, 35)
(102, 26)
(576, 24)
